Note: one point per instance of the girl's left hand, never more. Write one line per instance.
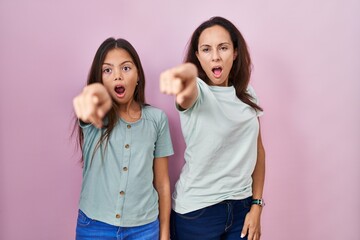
(252, 226)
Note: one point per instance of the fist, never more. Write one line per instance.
(92, 104)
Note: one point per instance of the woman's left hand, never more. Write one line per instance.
(252, 226)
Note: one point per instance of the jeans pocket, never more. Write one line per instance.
(83, 220)
(192, 215)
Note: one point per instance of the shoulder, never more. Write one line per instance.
(250, 90)
(203, 88)
(254, 98)
(201, 84)
(155, 114)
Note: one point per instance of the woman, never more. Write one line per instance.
(125, 145)
(219, 192)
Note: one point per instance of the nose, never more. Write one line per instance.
(215, 56)
(117, 74)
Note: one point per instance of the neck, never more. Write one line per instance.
(130, 112)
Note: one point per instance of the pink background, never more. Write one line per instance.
(306, 72)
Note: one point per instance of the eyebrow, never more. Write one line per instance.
(208, 45)
(128, 61)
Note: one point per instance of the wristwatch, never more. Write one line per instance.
(259, 202)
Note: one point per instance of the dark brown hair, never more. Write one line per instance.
(95, 76)
(239, 75)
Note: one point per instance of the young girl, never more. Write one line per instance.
(125, 147)
(219, 192)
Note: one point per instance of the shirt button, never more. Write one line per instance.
(128, 126)
(127, 145)
(125, 169)
(118, 216)
(122, 193)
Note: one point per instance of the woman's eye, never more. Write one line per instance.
(224, 48)
(205, 50)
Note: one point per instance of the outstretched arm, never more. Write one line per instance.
(92, 104)
(181, 82)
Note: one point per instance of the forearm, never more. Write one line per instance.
(186, 98)
(164, 211)
(259, 175)
(186, 71)
(162, 186)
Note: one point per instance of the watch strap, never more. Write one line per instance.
(258, 202)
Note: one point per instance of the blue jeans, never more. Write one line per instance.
(221, 221)
(89, 229)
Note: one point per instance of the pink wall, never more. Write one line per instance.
(306, 57)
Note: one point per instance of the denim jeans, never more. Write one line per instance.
(89, 229)
(221, 221)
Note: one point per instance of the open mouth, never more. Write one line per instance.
(217, 71)
(119, 90)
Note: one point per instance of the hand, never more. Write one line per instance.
(92, 104)
(252, 224)
(180, 81)
(171, 82)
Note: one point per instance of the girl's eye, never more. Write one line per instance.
(224, 48)
(107, 70)
(205, 50)
(126, 68)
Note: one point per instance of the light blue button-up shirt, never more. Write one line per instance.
(117, 185)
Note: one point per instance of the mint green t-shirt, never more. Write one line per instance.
(117, 185)
(221, 135)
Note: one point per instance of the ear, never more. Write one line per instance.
(197, 54)
(235, 54)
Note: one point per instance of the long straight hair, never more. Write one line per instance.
(95, 76)
(240, 73)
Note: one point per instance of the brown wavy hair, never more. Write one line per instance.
(240, 73)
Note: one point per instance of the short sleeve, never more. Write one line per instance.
(163, 145)
(254, 99)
